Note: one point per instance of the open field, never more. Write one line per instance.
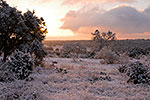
(81, 79)
(73, 50)
(84, 80)
(119, 45)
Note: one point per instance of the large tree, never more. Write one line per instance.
(17, 29)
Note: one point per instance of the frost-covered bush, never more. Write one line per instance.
(108, 56)
(36, 49)
(18, 66)
(137, 72)
(17, 28)
(137, 51)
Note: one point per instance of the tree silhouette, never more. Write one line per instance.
(103, 38)
(17, 29)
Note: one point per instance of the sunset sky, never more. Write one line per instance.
(76, 19)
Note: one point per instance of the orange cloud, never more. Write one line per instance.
(145, 35)
(73, 2)
(86, 32)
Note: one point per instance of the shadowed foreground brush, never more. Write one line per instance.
(18, 66)
(137, 72)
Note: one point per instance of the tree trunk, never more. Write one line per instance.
(5, 50)
(5, 56)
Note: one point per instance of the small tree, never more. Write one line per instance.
(17, 28)
(103, 38)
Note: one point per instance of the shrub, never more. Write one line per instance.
(36, 49)
(18, 66)
(108, 56)
(136, 51)
(137, 72)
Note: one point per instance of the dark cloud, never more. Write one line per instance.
(123, 19)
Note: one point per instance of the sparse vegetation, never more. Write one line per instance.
(73, 50)
(101, 76)
(108, 56)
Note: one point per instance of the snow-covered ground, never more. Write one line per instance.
(86, 79)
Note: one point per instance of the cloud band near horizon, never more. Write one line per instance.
(74, 2)
(123, 19)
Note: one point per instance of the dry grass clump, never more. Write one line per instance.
(99, 76)
(123, 59)
(108, 56)
(73, 50)
(145, 60)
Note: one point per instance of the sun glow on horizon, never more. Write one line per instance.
(53, 11)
